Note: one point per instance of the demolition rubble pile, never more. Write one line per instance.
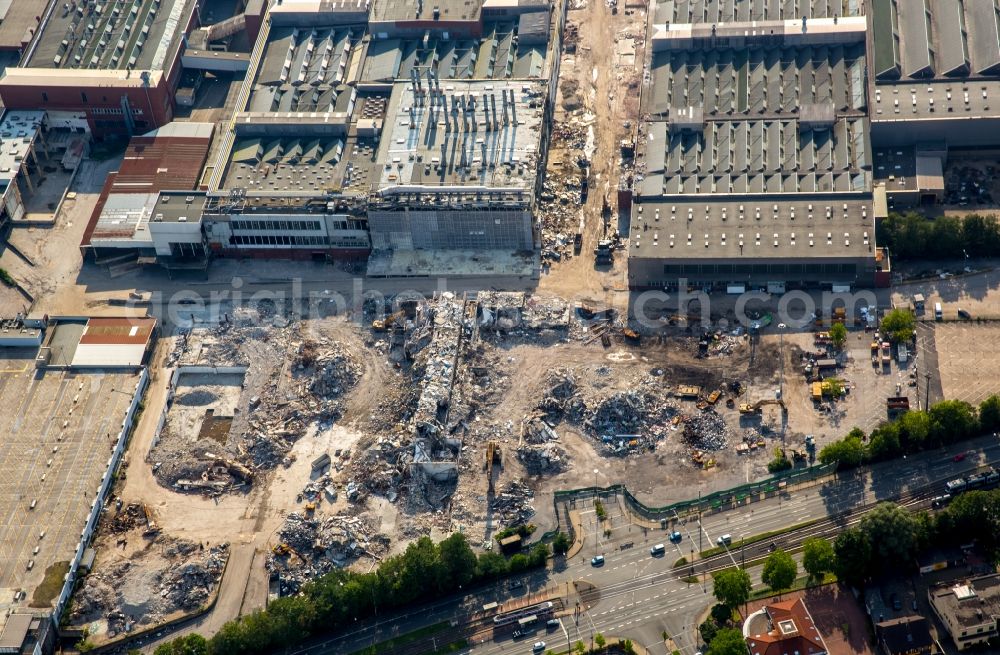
(302, 380)
(309, 547)
(512, 505)
(563, 399)
(706, 431)
(516, 311)
(564, 191)
(538, 451)
(176, 575)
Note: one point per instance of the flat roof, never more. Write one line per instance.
(936, 99)
(728, 11)
(178, 206)
(967, 602)
(135, 34)
(114, 342)
(711, 227)
(470, 134)
(399, 11)
(18, 130)
(14, 632)
(124, 217)
(498, 54)
(17, 23)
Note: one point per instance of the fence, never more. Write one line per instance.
(714, 502)
(102, 491)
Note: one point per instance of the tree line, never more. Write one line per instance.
(946, 422)
(912, 236)
(341, 598)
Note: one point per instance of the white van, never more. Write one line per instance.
(658, 549)
(938, 314)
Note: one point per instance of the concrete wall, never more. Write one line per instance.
(172, 389)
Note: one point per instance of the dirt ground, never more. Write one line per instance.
(598, 96)
(839, 618)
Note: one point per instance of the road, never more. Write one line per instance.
(640, 597)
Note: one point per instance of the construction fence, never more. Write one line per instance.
(714, 502)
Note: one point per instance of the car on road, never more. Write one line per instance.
(657, 550)
(675, 537)
(538, 647)
(597, 560)
(724, 540)
(958, 458)
(552, 624)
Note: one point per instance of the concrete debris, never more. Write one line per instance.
(310, 547)
(542, 459)
(512, 506)
(304, 380)
(174, 575)
(706, 430)
(638, 413)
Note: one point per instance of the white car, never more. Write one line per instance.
(538, 647)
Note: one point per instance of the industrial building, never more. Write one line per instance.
(935, 85)
(968, 609)
(351, 115)
(754, 165)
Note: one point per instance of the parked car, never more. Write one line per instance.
(964, 314)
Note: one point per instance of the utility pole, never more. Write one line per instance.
(927, 391)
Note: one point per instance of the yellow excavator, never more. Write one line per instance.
(746, 408)
(383, 324)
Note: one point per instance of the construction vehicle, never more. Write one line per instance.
(281, 549)
(714, 397)
(603, 252)
(384, 324)
(689, 392)
(577, 243)
(822, 338)
(152, 529)
(746, 408)
(816, 391)
(310, 508)
(839, 315)
(492, 458)
(631, 336)
(811, 446)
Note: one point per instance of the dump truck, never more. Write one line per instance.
(689, 392)
(713, 397)
(603, 253)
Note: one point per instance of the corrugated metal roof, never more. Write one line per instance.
(116, 331)
(168, 159)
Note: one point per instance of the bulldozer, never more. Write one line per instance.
(746, 408)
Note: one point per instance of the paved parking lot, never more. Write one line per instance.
(966, 360)
(58, 430)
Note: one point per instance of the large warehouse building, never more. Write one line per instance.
(754, 165)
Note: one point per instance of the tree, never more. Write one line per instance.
(722, 614)
(561, 544)
(727, 641)
(898, 324)
(193, 644)
(817, 557)
(458, 562)
(893, 534)
(834, 387)
(838, 335)
(952, 420)
(580, 648)
(600, 641)
(853, 551)
(989, 414)
(914, 428)
(627, 647)
(708, 629)
(780, 462)
(779, 571)
(846, 453)
(731, 587)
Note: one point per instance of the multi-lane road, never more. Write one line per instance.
(638, 596)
